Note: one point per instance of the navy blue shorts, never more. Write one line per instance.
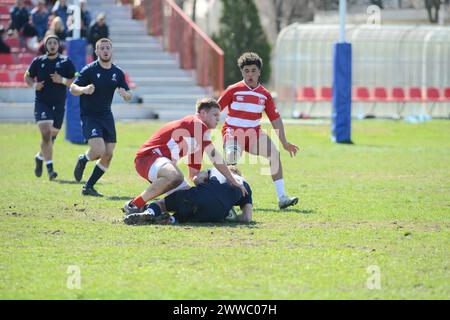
(48, 111)
(195, 205)
(99, 127)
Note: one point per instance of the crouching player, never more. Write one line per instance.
(209, 201)
(190, 136)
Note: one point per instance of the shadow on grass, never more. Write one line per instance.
(190, 225)
(67, 182)
(120, 198)
(303, 211)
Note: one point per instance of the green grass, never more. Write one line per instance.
(384, 201)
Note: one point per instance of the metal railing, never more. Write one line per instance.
(181, 35)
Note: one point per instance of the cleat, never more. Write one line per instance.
(286, 201)
(90, 191)
(147, 217)
(52, 175)
(38, 167)
(129, 208)
(232, 216)
(79, 169)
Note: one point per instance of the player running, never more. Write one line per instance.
(190, 136)
(53, 73)
(246, 100)
(96, 85)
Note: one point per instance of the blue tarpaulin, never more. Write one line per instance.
(342, 93)
(76, 50)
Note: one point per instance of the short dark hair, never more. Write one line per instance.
(206, 104)
(249, 58)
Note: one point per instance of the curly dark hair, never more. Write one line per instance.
(249, 58)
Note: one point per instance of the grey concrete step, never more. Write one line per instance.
(147, 72)
(167, 81)
(171, 99)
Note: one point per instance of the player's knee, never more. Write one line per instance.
(99, 151)
(46, 135)
(175, 180)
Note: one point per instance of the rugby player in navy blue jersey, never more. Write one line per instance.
(53, 73)
(96, 85)
(209, 201)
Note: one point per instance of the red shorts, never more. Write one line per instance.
(245, 137)
(143, 164)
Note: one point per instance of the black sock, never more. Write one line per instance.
(96, 174)
(49, 166)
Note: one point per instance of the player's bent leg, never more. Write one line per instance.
(99, 170)
(96, 150)
(268, 150)
(45, 128)
(164, 176)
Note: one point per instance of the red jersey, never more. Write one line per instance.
(185, 137)
(245, 105)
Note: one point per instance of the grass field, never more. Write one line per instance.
(383, 202)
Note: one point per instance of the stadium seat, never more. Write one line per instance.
(306, 94)
(285, 93)
(4, 79)
(4, 9)
(415, 94)
(446, 96)
(6, 59)
(25, 58)
(380, 94)
(326, 94)
(433, 94)
(398, 95)
(18, 79)
(12, 42)
(361, 94)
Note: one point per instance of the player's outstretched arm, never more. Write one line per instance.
(279, 128)
(76, 90)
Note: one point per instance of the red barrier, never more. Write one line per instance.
(181, 35)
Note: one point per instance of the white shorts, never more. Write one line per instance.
(154, 168)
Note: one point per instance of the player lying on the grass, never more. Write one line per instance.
(190, 136)
(54, 73)
(246, 100)
(209, 201)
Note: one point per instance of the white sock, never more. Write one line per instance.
(48, 161)
(279, 187)
(38, 156)
(87, 157)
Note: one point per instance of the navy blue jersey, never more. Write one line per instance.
(227, 194)
(106, 81)
(41, 68)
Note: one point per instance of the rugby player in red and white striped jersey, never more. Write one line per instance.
(246, 101)
(190, 136)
